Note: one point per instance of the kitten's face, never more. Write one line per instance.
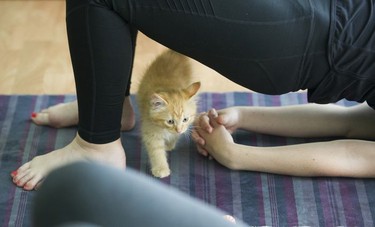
(174, 113)
(174, 110)
(180, 117)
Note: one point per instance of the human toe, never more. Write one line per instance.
(33, 183)
(21, 182)
(20, 172)
(14, 173)
(41, 118)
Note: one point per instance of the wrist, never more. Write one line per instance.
(232, 161)
(241, 117)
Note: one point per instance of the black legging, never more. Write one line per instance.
(269, 46)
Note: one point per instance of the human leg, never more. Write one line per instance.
(102, 60)
(101, 45)
(107, 197)
(66, 114)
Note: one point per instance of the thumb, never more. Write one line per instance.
(222, 119)
(213, 116)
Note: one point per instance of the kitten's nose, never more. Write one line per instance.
(178, 130)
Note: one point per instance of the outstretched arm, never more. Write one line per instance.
(349, 158)
(352, 158)
(309, 120)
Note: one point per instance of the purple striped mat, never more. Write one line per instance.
(257, 198)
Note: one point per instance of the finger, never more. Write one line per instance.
(197, 118)
(222, 119)
(204, 123)
(213, 118)
(197, 138)
(219, 117)
(212, 112)
(202, 151)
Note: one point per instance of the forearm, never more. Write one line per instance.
(310, 120)
(349, 158)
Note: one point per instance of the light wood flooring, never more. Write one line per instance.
(34, 56)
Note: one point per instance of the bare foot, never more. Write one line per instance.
(58, 116)
(31, 174)
(66, 114)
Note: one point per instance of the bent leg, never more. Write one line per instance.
(256, 50)
(107, 197)
(101, 46)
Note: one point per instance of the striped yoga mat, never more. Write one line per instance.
(257, 198)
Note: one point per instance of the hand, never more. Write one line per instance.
(218, 142)
(229, 118)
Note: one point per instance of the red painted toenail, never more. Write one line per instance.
(33, 114)
(14, 173)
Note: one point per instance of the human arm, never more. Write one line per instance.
(335, 158)
(309, 120)
(349, 158)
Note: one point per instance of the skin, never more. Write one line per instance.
(349, 157)
(66, 115)
(31, 174)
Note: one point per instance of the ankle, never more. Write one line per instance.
(83, 144)
(128, 115)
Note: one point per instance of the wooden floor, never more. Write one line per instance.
(34, 56)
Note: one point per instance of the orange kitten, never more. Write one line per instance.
(167, 106)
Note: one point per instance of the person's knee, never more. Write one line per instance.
(72, 174)
(76, 190)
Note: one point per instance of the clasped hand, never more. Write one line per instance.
(212, 133)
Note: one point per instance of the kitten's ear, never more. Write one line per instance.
(157, 102)
(192, 89)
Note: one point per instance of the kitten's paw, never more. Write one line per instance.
(161, 172)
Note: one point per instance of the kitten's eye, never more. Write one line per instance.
(171, 122)
(185, 119)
